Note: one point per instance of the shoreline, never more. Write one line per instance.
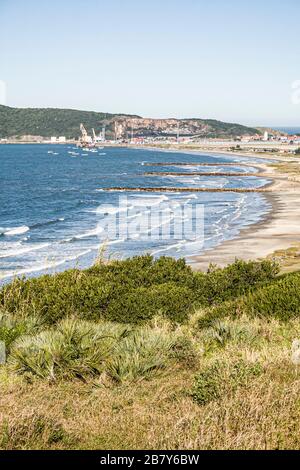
(278, 230)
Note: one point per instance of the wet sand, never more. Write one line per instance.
(279, 230)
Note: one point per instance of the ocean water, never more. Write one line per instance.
(56, 212)
(289, 130)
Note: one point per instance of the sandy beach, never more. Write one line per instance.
(279, 230)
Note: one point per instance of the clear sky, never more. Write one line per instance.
(230, 60)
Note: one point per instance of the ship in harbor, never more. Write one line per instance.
(90, 143)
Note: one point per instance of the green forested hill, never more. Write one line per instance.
(46, 122)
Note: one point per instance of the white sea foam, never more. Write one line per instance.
(114, 242)
(170, 247)
(91, 233)
(109, 210)
(22, 250)
(43, 267)
(15, 230)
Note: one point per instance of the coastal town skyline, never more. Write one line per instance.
(227, 64)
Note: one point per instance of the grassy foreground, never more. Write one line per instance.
(149, 354)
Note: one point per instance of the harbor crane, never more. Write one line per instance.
(85, 140)
(84, 134)
(101, 137)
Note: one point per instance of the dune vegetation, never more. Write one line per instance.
(146, 353)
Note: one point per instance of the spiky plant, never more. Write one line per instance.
(139, 355)
(12, 328)
(74, 348)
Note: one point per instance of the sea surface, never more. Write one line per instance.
(288, 130)
(56, 212)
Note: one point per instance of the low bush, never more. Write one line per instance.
(279, 299)
(83, 349)
(220, 285)
(73, 349)
(170, 300)
(139, 355)
(145, 271)
(12, 328)
(222, 378)
(186, 352)
(132, 290)
(222, 332)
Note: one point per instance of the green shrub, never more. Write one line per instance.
(104, 291)
(222, 332)
(73, 349)
(280, 299)
(132, 290)
(55, 297)
(12, 328)
(185, 352)
(139, 355)
(220, 285)
(208, 385)
(145, 271)
(170, 300)
(222, 378)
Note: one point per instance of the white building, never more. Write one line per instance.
(53, 140)
(266, 136)
(62, 139)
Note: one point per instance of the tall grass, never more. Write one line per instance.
(222, 378)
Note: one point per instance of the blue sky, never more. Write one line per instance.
(230, 60)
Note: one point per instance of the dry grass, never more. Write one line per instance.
(289, 259)
(160, 413)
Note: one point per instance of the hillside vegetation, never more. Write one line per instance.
(47, 122)
(194, 360)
